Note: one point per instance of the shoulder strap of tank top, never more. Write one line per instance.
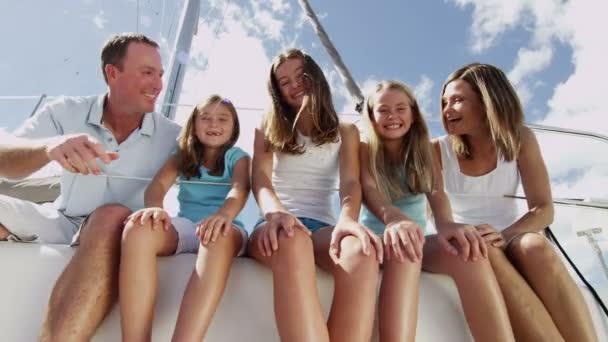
(448, 157)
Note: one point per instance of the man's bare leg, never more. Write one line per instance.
(87, 288)
(4, 233)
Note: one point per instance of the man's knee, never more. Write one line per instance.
(105, 224)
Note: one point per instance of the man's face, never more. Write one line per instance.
(138, 83)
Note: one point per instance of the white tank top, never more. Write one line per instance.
(489, 206)
(314, 173)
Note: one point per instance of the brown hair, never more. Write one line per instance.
(191, 151)
(279, 122)
(504, 113)
(415, 162)
(115, 49)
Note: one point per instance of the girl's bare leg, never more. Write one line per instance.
(297, 308)
(138, 277)
(206, 286)
(534, 257)
(355, 282)
(398, 303)
(482, 301)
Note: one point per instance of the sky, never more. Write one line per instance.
(553, 52)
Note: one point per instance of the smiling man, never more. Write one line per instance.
(116, 133)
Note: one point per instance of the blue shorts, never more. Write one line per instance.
(312, 224)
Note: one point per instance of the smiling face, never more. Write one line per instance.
(214, 125)
(290, 78)
(136, 81)
(392, 114)
(463, 112)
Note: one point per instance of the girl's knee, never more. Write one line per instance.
(532, 246)
(139, 236)
(352, 255)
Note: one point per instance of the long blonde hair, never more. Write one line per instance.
(279, 122)
(191, 152)
(415, 162)
(504, 113)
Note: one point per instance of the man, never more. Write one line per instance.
(91, 138)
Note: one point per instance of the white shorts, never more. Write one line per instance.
(41, 223)
(188, 242)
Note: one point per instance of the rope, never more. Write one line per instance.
(346, 76)
(578, 272)
(144, 179)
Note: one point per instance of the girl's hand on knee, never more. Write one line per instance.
(367, 237)
(403, 238)
(469, 241)
(287, 222)
(491, 236)
(212, 226)
(159, 218)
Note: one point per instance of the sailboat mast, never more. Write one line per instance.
(188, 24)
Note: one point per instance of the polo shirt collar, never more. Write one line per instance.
(96, 114)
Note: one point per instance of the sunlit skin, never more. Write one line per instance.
(392, 116)
(137, 81)
(213, 128)
(463, 110)
(290, 77)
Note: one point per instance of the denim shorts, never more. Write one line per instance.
(312, 224)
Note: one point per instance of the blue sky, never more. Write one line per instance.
(552, 50)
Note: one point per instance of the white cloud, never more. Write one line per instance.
(528, 63)
(491, 18)
(279, 6)
(99, 20)
(266, 22)
(423, 92)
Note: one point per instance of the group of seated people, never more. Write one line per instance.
(511, 283)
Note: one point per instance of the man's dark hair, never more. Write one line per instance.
(115, 49)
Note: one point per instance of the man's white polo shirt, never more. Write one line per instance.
(141, 154)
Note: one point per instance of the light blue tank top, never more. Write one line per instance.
(197, 201)
(413, 206)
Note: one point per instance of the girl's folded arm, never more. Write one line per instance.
(161, 183)
(261, 176)
(350, 186)
(536, 185)
(239, 191)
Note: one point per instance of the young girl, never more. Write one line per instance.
(207, 222)
(488, 152)
(299, 151)
(397, 170)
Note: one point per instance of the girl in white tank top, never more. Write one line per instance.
(487, 154)
(299, 153)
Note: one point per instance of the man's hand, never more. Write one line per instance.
(77, 153)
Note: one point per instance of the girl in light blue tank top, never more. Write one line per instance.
(398, 175)
(213, 177)
(396, 171)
